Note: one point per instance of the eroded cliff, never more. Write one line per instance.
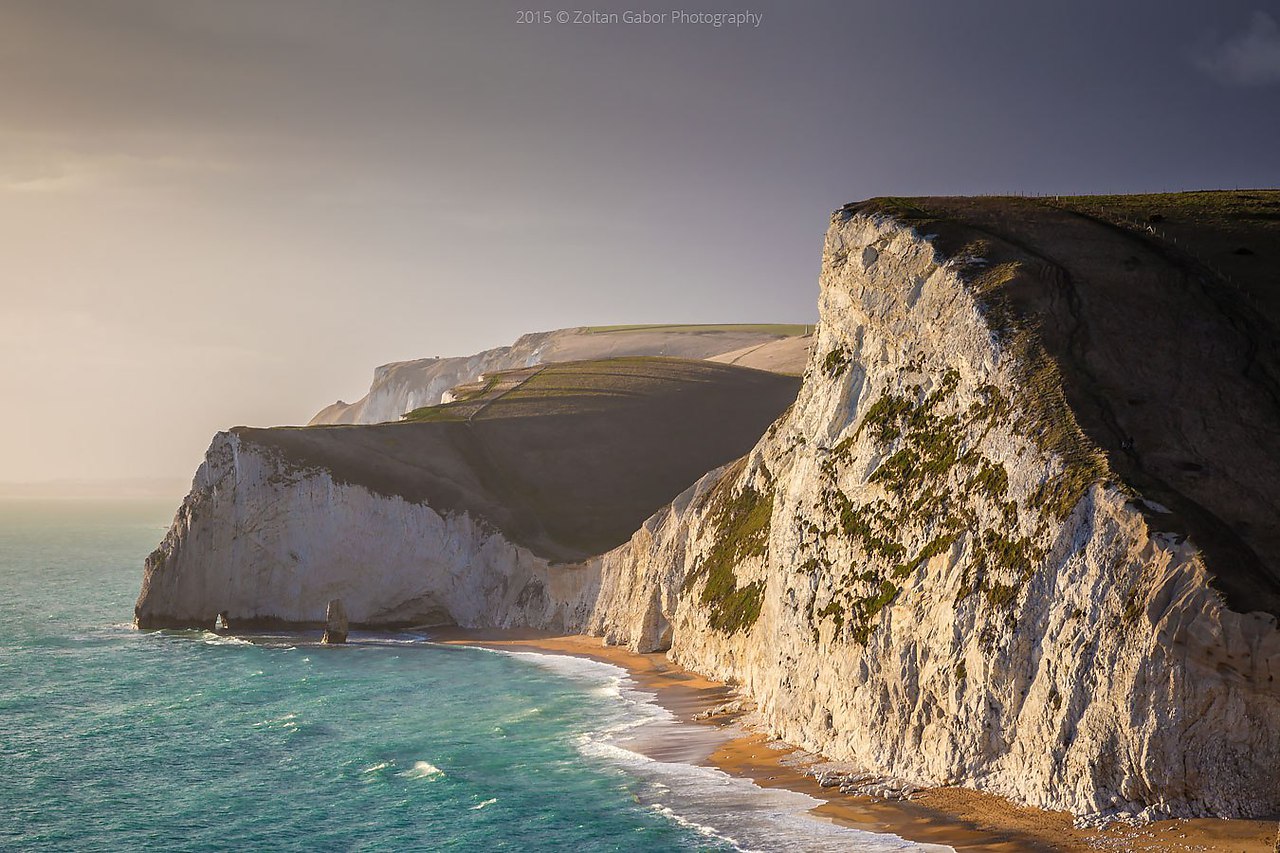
(1018, 531)
(929, 568)
(483, 512)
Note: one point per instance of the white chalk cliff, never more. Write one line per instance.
(923, 567)
(1062, 653)
(271, 543)
(490, 519)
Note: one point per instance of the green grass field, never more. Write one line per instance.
(572, 387)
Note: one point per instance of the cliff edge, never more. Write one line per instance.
(483, 511)
(1018, 532)
(403, 386)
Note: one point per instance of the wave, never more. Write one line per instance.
(288, 722)
(422, 770)
(733, 810)
(373, 638)
(212, 639)
(701, 829)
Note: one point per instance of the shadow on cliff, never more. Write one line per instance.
(1161, 314)
(568, 466)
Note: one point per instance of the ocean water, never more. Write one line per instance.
(116, 739)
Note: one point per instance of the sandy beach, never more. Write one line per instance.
(963, 819)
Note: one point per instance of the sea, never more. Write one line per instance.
(115, 739)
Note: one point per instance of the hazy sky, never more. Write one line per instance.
(219, 212)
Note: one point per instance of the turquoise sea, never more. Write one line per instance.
(120, 740)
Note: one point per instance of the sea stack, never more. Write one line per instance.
(335, 622)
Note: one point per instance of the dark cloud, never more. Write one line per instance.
(1248, 58)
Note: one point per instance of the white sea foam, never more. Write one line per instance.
(287, 722)
(700, 828)
(387, 640)
(479, 806)
(422, 770)
(522, 716)
(212, 639)
(709, 801)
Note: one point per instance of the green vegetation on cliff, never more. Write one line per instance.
(1147, 332)
(741, 520)
(933, 482)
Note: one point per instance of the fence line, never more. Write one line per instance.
(1222, 274)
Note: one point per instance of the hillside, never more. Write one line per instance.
(403, 386)
(566, 459)
(556, 463)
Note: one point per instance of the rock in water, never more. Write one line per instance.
(335, 622)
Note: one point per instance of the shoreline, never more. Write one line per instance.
(968, 821)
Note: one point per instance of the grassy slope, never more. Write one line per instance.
(1166, 343)
(567, 459)
(785, 355)
(782, 330)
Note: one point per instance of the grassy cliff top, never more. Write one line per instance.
(567, 459)
(1161, 315)
(782, 330)
(1235, 234)
(569, 388)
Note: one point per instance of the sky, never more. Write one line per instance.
(222, 212)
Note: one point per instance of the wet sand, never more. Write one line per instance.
(969, 821)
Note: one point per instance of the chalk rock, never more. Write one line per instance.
(335, 622)
(905, 574)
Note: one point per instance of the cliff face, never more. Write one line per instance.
(407, 385)
(269, 542)
(928, 569)
(993, 543)
(458, 517)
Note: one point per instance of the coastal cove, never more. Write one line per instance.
(114, 738)
(455, 427)
(933, 552)
(403, 740)
(964, 820)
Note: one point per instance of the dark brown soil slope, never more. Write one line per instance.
(1165, 335)
(568, 459)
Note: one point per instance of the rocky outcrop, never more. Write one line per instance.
(336, 625)
(403, 386)
(928, 570)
